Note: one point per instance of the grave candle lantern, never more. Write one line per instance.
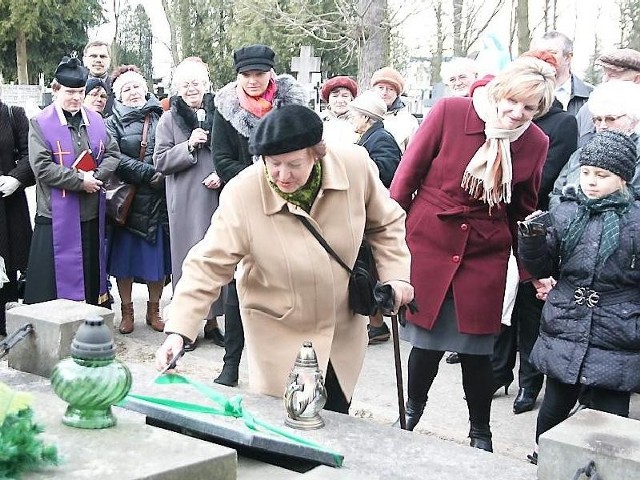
(92, 380)
(305, 394)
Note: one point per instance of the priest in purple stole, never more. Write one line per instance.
(67, 258)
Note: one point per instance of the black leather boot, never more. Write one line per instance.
(480, 436)
(233, 339)
(525, 400)
(412, 414)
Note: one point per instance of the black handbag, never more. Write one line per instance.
(362, 277)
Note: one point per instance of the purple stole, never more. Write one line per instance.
(65, 205)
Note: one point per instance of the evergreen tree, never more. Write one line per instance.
(35, 34)
(134, 42)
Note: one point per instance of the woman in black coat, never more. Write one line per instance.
(589, 336)
(139, 249)
(15, 175)
(366, 115)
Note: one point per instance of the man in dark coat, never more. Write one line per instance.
(15, 175)
(562, 129)
(571, 91)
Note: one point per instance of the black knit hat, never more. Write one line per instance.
(254, 57)
(71, 73)
(94, 83)
(612, 151)
(286, 129)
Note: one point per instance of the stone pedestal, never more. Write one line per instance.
(55, 324)
(129, 451)
(612, 442)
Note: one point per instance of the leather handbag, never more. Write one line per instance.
(120, 194)
(362, 277)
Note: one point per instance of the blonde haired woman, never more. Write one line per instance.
(183, 154)
(476, 164)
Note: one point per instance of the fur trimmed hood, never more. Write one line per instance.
(226, 101)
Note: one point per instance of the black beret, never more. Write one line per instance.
(71, 73)
(94, 83)
(286, 129)
(254, 57)
(612, 151)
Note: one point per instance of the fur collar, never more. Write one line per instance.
(185, 117)
(226, 101)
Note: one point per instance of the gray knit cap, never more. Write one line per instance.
(612, 151)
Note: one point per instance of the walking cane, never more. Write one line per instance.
(397, 361)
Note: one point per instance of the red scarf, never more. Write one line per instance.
(261, 105)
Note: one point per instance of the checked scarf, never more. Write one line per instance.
(612, 207)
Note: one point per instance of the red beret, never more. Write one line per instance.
(341, 81)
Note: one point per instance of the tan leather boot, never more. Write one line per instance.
(126, 324)
(153, 316)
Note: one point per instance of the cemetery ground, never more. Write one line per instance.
(375, 398)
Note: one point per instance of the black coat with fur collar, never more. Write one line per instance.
(232, 125)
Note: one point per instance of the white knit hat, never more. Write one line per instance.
(127, 77)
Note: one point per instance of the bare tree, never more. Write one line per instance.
(469, 23)
(168, 12)
(522, 19)
(436, 57)
(629, 23)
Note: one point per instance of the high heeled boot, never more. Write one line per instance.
(233, 339)
(153, 316)
(480, 435)
(126, 324)
(412, 414)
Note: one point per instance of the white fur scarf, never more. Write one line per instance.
(489, 173)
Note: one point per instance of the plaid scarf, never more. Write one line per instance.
(305, 195)
(612, 207)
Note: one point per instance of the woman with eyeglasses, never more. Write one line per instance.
(183, 153)
(96, 96)
(614, 105)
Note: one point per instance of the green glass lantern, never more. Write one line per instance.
(92, 380)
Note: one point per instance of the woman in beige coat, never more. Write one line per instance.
(290, 289)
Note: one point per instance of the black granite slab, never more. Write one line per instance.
(235, 434)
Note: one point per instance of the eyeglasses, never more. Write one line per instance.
(103, 96)
(607, 118)
(195, 84)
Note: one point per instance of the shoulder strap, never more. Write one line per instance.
(145, 133)
(323, 242)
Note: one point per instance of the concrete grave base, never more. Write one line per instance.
(370, 450)
(612, 442)
(129, 451)
(55, 324)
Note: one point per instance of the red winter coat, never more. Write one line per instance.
(453, 239)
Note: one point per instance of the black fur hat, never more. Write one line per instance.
(286, 129)
(612, 151)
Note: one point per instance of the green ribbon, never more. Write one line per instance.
(228, 408)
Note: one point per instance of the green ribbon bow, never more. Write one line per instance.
(228, 408)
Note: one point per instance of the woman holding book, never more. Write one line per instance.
(138, 250)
